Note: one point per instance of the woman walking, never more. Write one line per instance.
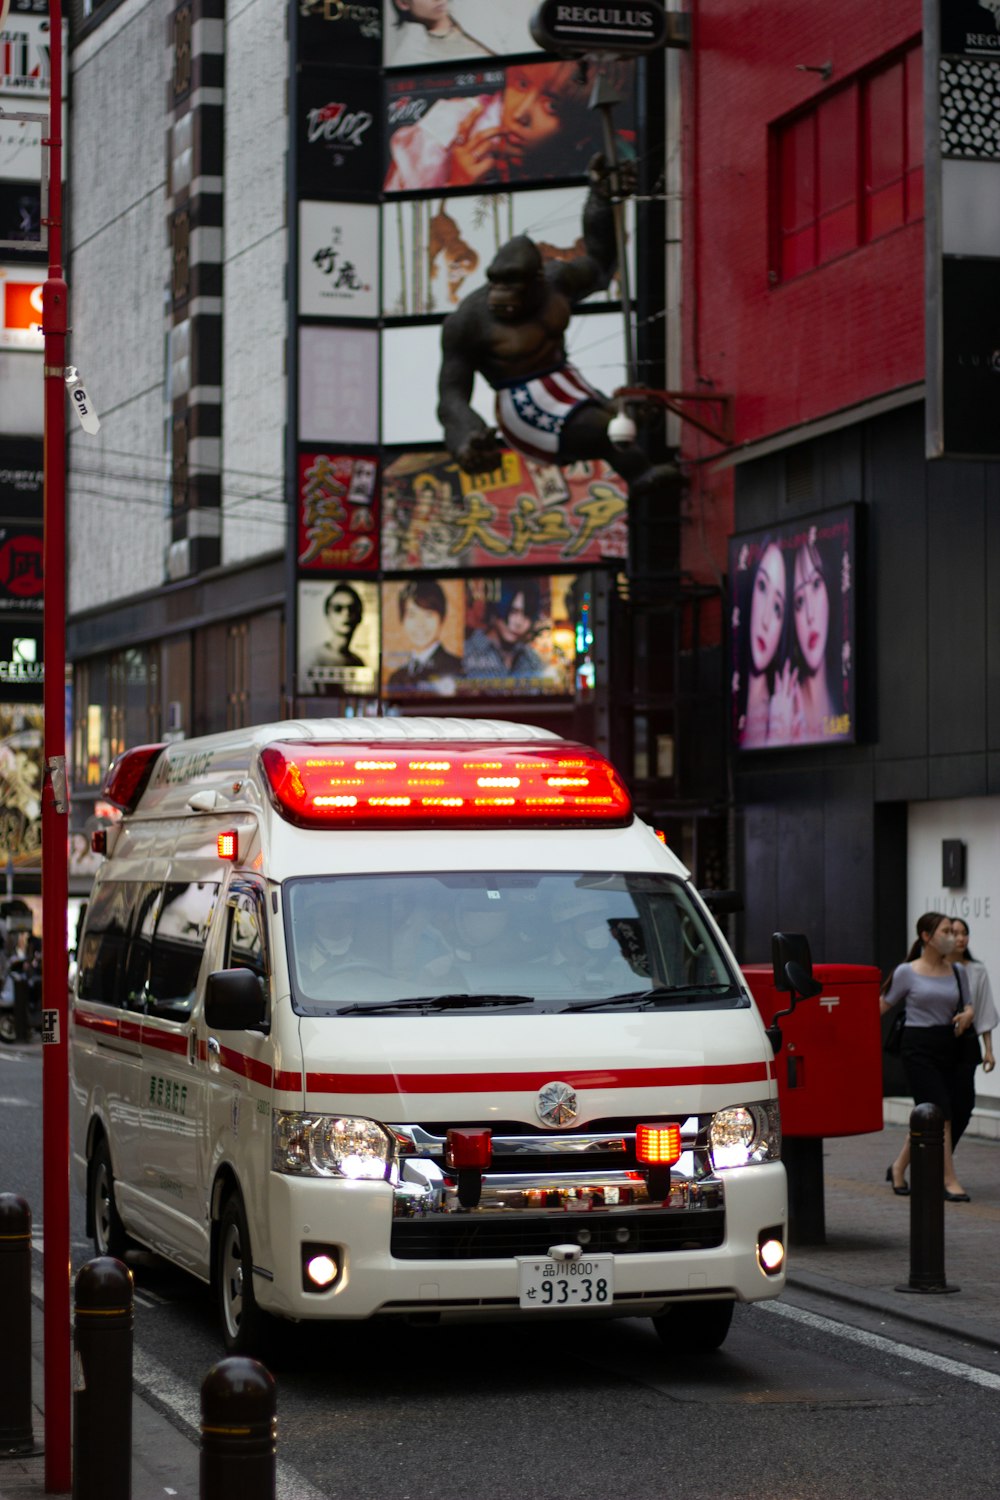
(935, 994)
(978, 1040)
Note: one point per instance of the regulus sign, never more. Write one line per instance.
(79, 400)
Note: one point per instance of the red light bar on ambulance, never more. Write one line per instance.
(128, 775)
(450, 784)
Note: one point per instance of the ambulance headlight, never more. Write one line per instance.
(329, 1146)
(745, 1135)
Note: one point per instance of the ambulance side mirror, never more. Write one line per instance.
(235, 1001)
(791, 961)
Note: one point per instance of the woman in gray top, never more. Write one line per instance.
(938, 1011)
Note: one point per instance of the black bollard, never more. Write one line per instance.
(15, 1320)
(927, 1202)
(102, 1381)
(238, 1431)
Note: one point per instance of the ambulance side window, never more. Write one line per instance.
(178, 947)
(102, 951)
(246, 939)
(136, 975)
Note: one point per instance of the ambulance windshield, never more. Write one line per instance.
(483, 942)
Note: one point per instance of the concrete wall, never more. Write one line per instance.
(255, 256)
(119, 268)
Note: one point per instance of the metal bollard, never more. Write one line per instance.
(238, 1431)
(927, 1202)
(15, 1319)
(102, 1381)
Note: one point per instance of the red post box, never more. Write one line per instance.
(829, 1067)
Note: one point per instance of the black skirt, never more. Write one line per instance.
(932, 1059)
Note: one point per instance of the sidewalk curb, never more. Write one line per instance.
(838, 1291)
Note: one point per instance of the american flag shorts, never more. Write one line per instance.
(531, 414)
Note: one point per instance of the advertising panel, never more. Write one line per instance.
(338, 385)
(525, 122)
(436, 251)
(338, 647)
(488, 637)
(961, 223)
(340, 31)
(338, 260)
(792, 633)
(971, 28)
(21, 578)
(21, 308)
(22, 674)
(338, 513)
(21, 144)
(437, 517)
(20, 209)
(449, 29)
(22, 478)
(25, 56)
(337, 135)
(21, 761)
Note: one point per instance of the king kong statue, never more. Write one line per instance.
(512, 331)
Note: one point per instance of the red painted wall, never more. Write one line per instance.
(840, 334)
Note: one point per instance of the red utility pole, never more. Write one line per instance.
(55, 823)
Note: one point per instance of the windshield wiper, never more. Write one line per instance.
(437, 1002)
(633, 997)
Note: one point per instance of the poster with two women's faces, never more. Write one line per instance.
(792, 633)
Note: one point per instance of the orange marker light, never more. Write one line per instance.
(227, 845)
(658, 1145)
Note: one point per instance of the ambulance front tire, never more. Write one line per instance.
(695, 1327)
(107, 1229)
(245, 1328)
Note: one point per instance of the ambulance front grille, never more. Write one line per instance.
(484, 1237)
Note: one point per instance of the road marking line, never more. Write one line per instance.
(19, 1103)
(876, 1341)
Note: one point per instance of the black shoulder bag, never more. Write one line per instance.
(970, 1053)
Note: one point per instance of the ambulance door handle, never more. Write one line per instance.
(192, 1045)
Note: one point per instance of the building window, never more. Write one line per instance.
(849, 169)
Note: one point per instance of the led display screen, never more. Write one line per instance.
(521, 123)
(439, 31)
(792, 633)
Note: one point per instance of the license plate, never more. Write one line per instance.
(587, 1282)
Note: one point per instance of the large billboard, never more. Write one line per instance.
(792, 633)
(21, 761)
(437, 517)
(493, 636)
(420, 32)
(338, 385)
(339, 31)
(521, 123)
(436, 250)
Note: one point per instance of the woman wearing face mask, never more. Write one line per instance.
(938, 1013)
(978, 1042)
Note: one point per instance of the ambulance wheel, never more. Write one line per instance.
(245, 1328)
(107, 1229)
(695, 1327)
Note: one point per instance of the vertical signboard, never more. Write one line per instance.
(962, 227)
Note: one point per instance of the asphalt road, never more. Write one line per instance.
(797, 1405)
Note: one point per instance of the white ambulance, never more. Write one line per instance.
(413, 1017)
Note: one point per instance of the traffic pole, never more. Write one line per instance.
(55, 823)
(927, 1202)
(239, 1429)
